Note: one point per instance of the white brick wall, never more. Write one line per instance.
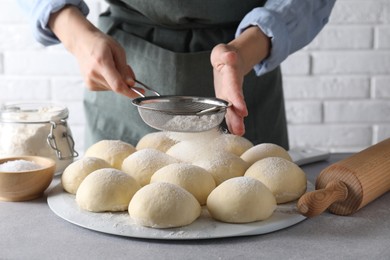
(336, 89)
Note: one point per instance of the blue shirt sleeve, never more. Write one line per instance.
(39, 12)
(290, 24)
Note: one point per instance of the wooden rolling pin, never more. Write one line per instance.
(348, 185)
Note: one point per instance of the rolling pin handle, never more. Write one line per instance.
(315, 202)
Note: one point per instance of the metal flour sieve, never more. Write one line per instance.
(180, 113)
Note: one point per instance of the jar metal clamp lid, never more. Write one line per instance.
(51, 140)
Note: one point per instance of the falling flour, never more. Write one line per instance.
(191, 123)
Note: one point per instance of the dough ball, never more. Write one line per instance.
(284, 178)
(194, 179)
(76, 172)
(106, 190)
(142, 164)
(241, 200)
(264, 150)
(223, 166)
(156, 140)
(234, 144)
(164, 205)
(112, 151)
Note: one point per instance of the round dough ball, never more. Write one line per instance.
(234, 144)
(264, 150)
(164, 205)
(142, 164)
(194, 179)
(76, 172)
(284, 178)
(156, 140)
(241, 200)
(106, 190)
(112, 151)
(223, 166)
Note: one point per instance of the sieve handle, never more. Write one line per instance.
(208, 110)
(145, 87)
(212, 109)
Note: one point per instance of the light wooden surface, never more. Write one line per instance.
(366, 176)
(26, 185)
(315, 202)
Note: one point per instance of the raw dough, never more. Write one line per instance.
(232, 143)
(157, 140)
(194, 179)
(241, 200)
(223, 165)
(106, 190)
(112, 151)
(284, 178)
(76, 172)
(142, 164)
(164, 205)
(264, 150)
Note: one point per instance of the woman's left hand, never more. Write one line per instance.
(231, 62)
(228, 80)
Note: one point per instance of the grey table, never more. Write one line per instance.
(30, 230)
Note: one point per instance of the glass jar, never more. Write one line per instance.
(37, 129)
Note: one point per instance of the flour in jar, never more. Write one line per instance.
(19, 137)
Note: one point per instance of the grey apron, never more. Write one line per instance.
(168, 45)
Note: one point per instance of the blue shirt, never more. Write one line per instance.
(291, 24)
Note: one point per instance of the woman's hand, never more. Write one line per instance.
(103, 64)
(101, 59)
(228, 80)
(231, 62)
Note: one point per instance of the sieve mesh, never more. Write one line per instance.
(181, 113)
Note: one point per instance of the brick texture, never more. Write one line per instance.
(382, 37)
(381, 87)
(349, 75)
(337, 89)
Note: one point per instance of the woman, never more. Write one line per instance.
(183, 48)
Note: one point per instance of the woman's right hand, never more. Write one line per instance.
(102, 60)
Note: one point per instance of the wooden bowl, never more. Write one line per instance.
(26, 185)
